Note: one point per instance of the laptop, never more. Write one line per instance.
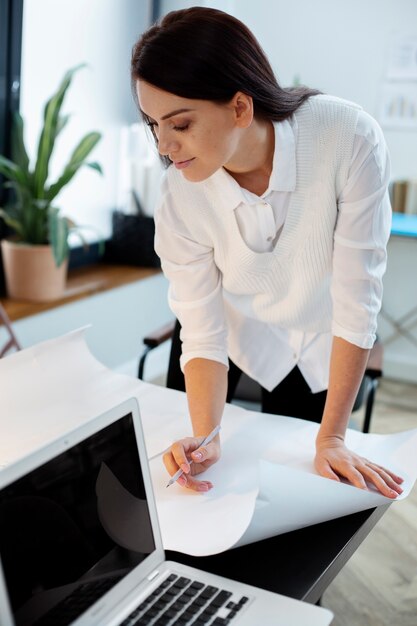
(80, 543)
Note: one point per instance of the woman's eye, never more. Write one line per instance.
(181, 128)
(153, 126)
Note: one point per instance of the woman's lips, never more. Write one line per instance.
(180, 165)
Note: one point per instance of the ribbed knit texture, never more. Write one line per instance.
(291, 284)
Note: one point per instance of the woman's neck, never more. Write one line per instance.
(252, 166)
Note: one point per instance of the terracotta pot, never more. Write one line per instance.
(31, 273)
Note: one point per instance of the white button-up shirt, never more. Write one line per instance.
(364, 219)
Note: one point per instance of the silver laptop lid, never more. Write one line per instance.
(79, 510)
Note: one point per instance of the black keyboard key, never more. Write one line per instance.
(196, 585)
(193, 608)
(143, 621)
(210, 610)
(162, 621)
(188, 614)
(243, 600)
(165, 599)
(221, 598)
(177, 606)
(159, 605)
(205, 617)
(183, 599)
(183, 582)
(208, 592)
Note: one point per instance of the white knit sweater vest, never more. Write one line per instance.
(289, 286)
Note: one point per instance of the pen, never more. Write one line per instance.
(204, 442)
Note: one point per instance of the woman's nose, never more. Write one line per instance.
(167, 144)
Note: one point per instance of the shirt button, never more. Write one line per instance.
(294, 355)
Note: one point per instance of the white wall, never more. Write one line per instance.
(57, 35)
(337, 46)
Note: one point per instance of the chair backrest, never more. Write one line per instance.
(11, 339)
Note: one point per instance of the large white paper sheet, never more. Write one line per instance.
(264, 484)
(272, 459)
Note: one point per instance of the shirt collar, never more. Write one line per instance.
(283, 175)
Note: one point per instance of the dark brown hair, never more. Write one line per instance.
(207, 54)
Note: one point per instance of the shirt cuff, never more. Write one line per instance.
(220, 357)
(362, 340)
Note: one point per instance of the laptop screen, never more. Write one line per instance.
(77, 524)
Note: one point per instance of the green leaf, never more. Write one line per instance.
(11, 171)
(51, 128)
(62, 122)
(18, 150)
(95, 166)
(22, 193)
(86, 145)
(13, 223)
(84, 148)
(58, 235)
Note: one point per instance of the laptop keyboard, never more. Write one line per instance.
(77, 602)
(184, 602)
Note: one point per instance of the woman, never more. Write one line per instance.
(272, 231)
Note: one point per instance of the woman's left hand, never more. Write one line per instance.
(334, 460)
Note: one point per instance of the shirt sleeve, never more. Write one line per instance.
(361, 236)
(195, 288)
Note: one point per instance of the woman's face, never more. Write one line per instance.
(199, 136)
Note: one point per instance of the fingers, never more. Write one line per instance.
(397, 479)
(340, 462)
(190, 482)
(324, 469)
(186, 454)
(382, 480)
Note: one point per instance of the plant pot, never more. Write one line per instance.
(31, 273)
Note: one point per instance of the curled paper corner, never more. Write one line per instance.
(223, 515)
(292, 499)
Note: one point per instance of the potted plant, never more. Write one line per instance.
(36, 257)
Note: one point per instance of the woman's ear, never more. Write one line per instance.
(243, 109)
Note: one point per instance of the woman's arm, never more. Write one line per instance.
(206, 386)
(333, 459)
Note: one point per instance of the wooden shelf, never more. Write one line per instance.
(82, 282)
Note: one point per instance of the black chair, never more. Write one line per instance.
(249, 391)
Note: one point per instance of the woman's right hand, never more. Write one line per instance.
(184, 450)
